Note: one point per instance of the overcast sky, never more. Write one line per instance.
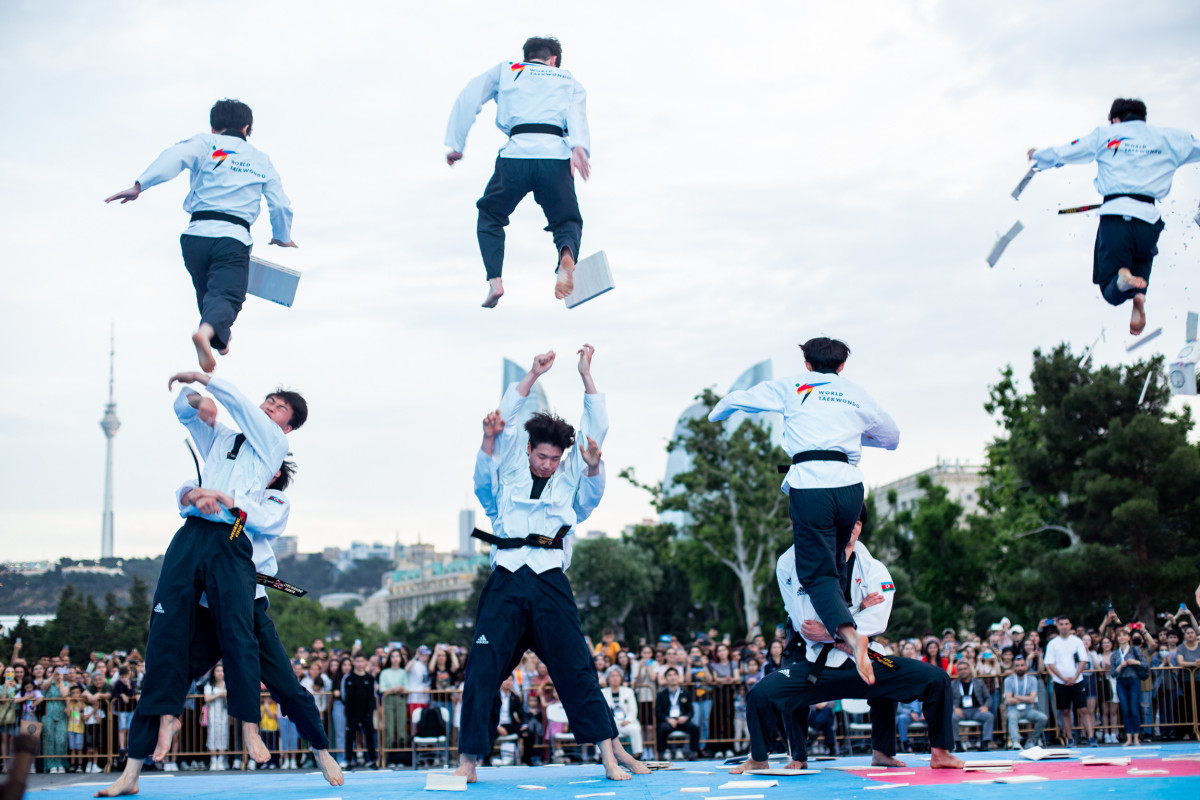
(762, 173)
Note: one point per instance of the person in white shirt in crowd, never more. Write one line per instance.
(543, 110)
(624, 707)
(532, 495)
(1135, 164)
(418, 680)
(229, 179)
(218, 718)
(1020, 702)
(827, 420)
(1065, 660)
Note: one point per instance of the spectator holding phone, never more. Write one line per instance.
(1128, 665)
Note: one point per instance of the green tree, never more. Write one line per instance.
(888, 541)
(443, 622)
(1093, 495)
(669, 609)
(735, 511)
(299, 620)
(618, 574)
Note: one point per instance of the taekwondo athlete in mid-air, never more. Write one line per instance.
(229, 180)
(212, 554)
(543, 111)
(827, 673)
(266, 519)
(1135, 163)
(827, 420)
(535, 495)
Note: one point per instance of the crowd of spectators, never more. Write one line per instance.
(671, 697)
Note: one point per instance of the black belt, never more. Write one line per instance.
(536, 127)
(532, 540)
(816, 455)
(220, 216)
(276, 583)
(1141, 198)
(818, 666)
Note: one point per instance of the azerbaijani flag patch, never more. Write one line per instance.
(887, 587)
(275, 499)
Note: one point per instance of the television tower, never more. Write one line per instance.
(109, 424)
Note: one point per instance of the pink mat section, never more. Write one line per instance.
(1051, 770)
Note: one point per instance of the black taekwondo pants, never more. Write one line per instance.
(777, 697)
(203, 558)
(553, 189)
(520, 611)
(1123, 243)
(220, 270)
(822, 521)
(295, 702)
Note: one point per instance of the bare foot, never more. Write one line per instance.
(168, 726)
(632, 764)
(466, 767)
(225, 350)
(565, 274)
(495, 292)
(614, 772)
(126, 784)
(749, 763)
(329, 767)
(1126, 280)
(943, 759)
(879, 759)
(204, 353)
(254, 743)
(797, 765)
(1137, 320)
(863, 661)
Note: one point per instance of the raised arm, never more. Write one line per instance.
(591, 488)
(261, 432)
(466, 108)
(1079, 151)
(594, 422)
(765, 396)
(187, 154)
(198, 414)
(486, 478)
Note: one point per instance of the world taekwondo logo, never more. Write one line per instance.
(1115, 144)
(221, 155)
(807, 388)
(517, 68)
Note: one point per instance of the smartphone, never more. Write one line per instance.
(1182, 607)
(18, 642)
(665, 638)
(62, 670)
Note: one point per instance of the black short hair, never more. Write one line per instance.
(1018, 657)
(287, 471)
(542, 47)
(297, 402)
(669, 670)
(824, 354)
(1127, 108)
(1063, 618)
(549, 429)
(230, 115)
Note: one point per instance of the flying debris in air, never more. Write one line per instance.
(1154, 334)
(1016, 193)
(1003, 242)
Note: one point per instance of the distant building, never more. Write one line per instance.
(412, 586)
(962, 480)
(332, 554)
(338, 599)
(92, 569)
(466, 524)
(361, 552)
(286, 546)
(27, 567)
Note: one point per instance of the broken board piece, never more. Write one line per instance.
(852, 768)
(592, 279)
(782, 771)
(1043, 753)
(750, 784)
(272, 282)
(696, 789)
(594, 794)
(1003, 242)
(982, 765)
(438, 782)
(1105, 761)
(1181, 758)
(1016, 193)
(1021, 779)
(591, 780)
(886, 786)
(529, 786)
(1141, 340)
(1134, 771)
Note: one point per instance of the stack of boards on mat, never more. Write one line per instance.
(272, 282)
(592, 279)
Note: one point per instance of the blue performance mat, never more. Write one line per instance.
(1065, 780)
